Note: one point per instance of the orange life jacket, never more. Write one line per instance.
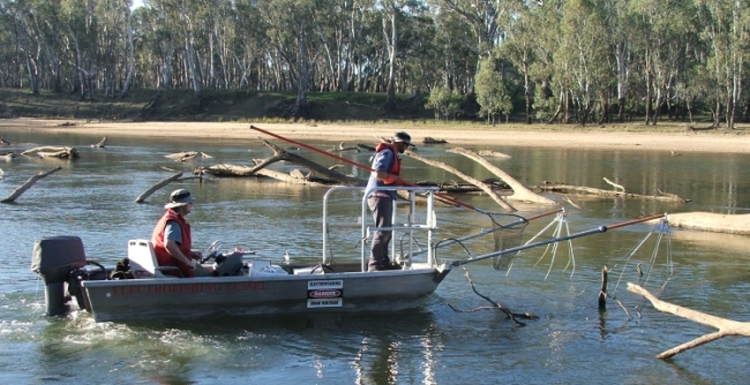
(396, 165)
(160, 249)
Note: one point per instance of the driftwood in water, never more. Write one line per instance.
(603, 291)
(521, 193)
(493, 154)
(182, 156)
(615, 185)
(568, 189)
(487, 189)
(53, 152)
(187, 155)
(429, 140)
(343, 148)
(102, 143)
(726, 327)
(4, 142)
(318, 174)
(8, 155)
(20, 190)
(141, 198)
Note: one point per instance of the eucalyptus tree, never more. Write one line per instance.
(552, 88)
(20, 15)
(130, 66)
(419, 57)
(249, 46)
(45, 29)
(482, 17)
(492, 93)
(518, 48)
(81, 24)
(393, 12)
(584, 54)
(155, 46)
(725, 28)
(10, 55)
(290, 32)
(453, 54)
(171, 26)
(335, 29)
(190, 55)
(663, 27)
(111, 47)
(621, 34)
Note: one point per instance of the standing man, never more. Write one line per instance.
(172, 238)
(386, 167)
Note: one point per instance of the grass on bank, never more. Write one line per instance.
(345, 108)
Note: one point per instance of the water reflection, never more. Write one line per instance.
(93, 198)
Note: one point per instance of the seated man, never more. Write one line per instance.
(172, 239)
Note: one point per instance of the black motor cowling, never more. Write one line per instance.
(54, 259)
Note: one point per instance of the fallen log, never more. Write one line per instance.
(101, 143)
(20, 190)
(430, 140)
(182, 156)
(726, 327)
(53, 152)
(487, 189)
(318, 174)
(568, 189)
(141, 198)
(521, 193)
(343, 148)
(493, 154)
(617, 187)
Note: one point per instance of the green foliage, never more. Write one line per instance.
(576, 57)
(492, 93)
(445, 103)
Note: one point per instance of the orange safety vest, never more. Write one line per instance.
(396, 166)
(162, 255)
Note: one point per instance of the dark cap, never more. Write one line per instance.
(179, 198)
(402, 137)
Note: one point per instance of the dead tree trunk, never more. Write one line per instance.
(567, 189)
(487, 189)
(521, 193)
(53, 152)
(318, 173)
(20, 190)
(102, 143)
(726, 327)
(141, 198)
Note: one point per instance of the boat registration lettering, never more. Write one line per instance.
(192, 288)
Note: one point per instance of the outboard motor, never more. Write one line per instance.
(228, 264)
(55, 258)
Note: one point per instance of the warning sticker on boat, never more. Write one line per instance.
(325, 293)
(330, 302)
(325, 284)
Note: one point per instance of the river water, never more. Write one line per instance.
(571, 341)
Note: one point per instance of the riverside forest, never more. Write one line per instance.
(553, 61)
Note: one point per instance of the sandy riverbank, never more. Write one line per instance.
(546, 136)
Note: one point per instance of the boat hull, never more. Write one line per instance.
(348, 292)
